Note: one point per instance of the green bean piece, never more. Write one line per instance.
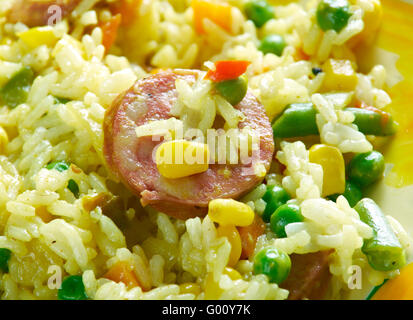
(16, 90)
(283, 216)
(72, 289)
(377, 123)
(375, 289)
(297, 120)
(333, 14)
(383, 251)
(73, 187)
(259, 11)
(233, 90)
(274, 197)
(366, 168)
(5, 255)
(58, 165)
(274, 263)
(273, 43)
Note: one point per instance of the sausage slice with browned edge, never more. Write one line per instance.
(130, 157)
(35, 13)
(309, 277)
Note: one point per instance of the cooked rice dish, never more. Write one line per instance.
(98, 100)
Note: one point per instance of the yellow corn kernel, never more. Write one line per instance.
(38, 36)
(231, 233)
(344, 53)
(332, 161)
(181, 158)
(339, 76)
(372, 21)
(232, 273)
(398, 288)
(4, 140)
(230, 212)
(212, 289)
(190, 287)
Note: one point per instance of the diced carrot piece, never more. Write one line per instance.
(75, 168)
(227, 70)
(43, 214)
(249, 236)
(217, 12)
(127, 9)
(301, 55)
(122, 272)
(110, 31)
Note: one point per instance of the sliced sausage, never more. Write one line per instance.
(309, 277)
(130, 157)
(35, 13)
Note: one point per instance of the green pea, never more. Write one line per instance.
(366, 168)
(284, 215)
(58, 165)
(5, 255)
(273, 44)
(259, 11)
(333, 14)
(16, 90)
(73, 186)
(383, 250)
(352, 193)
(274, 197)
(297, 120)
(72, 289)
(274, 263)
(233, 90)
